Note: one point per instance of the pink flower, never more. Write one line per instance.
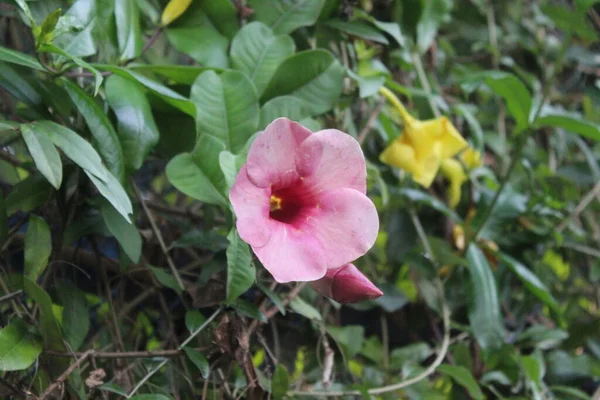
(346, 284)
(300, 201)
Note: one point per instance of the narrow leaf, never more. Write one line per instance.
(44, 154)
(240, 271)
(38, 246)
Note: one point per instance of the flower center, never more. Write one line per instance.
(287, 206)
(275, 203)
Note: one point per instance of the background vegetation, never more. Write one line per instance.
(122, 130)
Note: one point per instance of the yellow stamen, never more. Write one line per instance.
(275, 203)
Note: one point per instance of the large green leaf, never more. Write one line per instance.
(257, 52)
(194, 180)
(28, 194)
(224, 16)
(137, 130)
(104, 135)
(19, 348)
(433, 14)
(196, 35)
(38, 246)
(283, 106)
(129, 34)
(126, 233)
(18, 86)
(184, 74)
(75, 314)
(463, 377)
(199, 360)
(44, 154)
(49, 328)
(240, 271)
(227, 109)
(164, 93)
(531, 282)
(284, 16)
(84, 155)
(484, 305)
(16, 57)
(572, 122)
(314, 76)
(512, 90)
(73, 145)
(280, 382)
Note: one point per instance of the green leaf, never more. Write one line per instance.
(542, 337)
(227, 109)
(15, 84)
(195, 34)
(193, 180)
(49, 328)
(272, 296)
(249, 309)
(137, 130)
(129, 34)
(184, 74)
(284, 16)
(84, 155)
(306, 310)
(419, 196)
(433, 14)
(199, 361)
(201, 239)
(359, 29)
(126, 233)
(314, 76)
(75, 315)
(257, 52)
(391, 28)
(412, 353)
(16, 57)
(240, 271)
(112, 191)
(38, 246)
(19, 348)
(150, 397)
(224, 15)
(26, 10)
(350, 337)
(44, 154)
(280, 382)
(484, 309)
(28, 195)
(50, 48)
(104, 135)
(569, 391)
(46, 32)
(512, 90)
(165, 278)
(572, 22)
(571, 122)
(284, 106)
(463, 377)
(531, 282)
(164, 93)
(193, 320)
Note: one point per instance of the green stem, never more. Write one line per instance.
(425, 83)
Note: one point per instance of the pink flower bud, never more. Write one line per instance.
(346, 284)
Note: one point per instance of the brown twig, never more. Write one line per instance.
(14, 161)
(63, 377)
(374, 114)
(10, 296)
(159, 237)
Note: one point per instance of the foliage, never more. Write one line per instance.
(125, 122)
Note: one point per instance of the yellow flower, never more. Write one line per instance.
(471, 158)
(173, 10)
(423, 145)
(453, 171)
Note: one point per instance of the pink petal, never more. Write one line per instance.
(272, 154)
(346, 284)
(251, 206)
(292, 255)
(331, 159)
(346, 223)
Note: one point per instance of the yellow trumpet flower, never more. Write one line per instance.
(173, 10)
(423, 145)
(454, 171)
